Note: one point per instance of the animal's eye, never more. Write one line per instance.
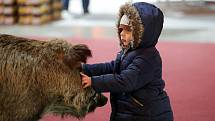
(72, 97)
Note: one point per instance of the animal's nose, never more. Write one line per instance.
(102, 100)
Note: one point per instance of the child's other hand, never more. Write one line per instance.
(86, 80)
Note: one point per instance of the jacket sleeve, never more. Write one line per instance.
(98, 69)
(135, 76)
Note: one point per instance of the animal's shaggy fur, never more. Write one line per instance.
(38, 77)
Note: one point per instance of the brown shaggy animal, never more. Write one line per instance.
(39, 77)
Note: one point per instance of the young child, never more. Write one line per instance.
(134, 79)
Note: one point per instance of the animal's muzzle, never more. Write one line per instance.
(101, 99)
(97, 100)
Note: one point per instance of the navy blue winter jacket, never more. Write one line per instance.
(135, 81)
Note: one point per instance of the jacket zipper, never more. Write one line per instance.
(136, 101)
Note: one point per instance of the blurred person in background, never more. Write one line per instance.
(85, 6)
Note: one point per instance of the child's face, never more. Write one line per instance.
(125, 35)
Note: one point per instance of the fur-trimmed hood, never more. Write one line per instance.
(146, 22)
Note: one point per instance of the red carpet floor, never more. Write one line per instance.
(189, 72)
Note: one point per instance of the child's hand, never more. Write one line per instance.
(86, 80)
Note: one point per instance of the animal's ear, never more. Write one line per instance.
(77, 54)
(81, 52)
